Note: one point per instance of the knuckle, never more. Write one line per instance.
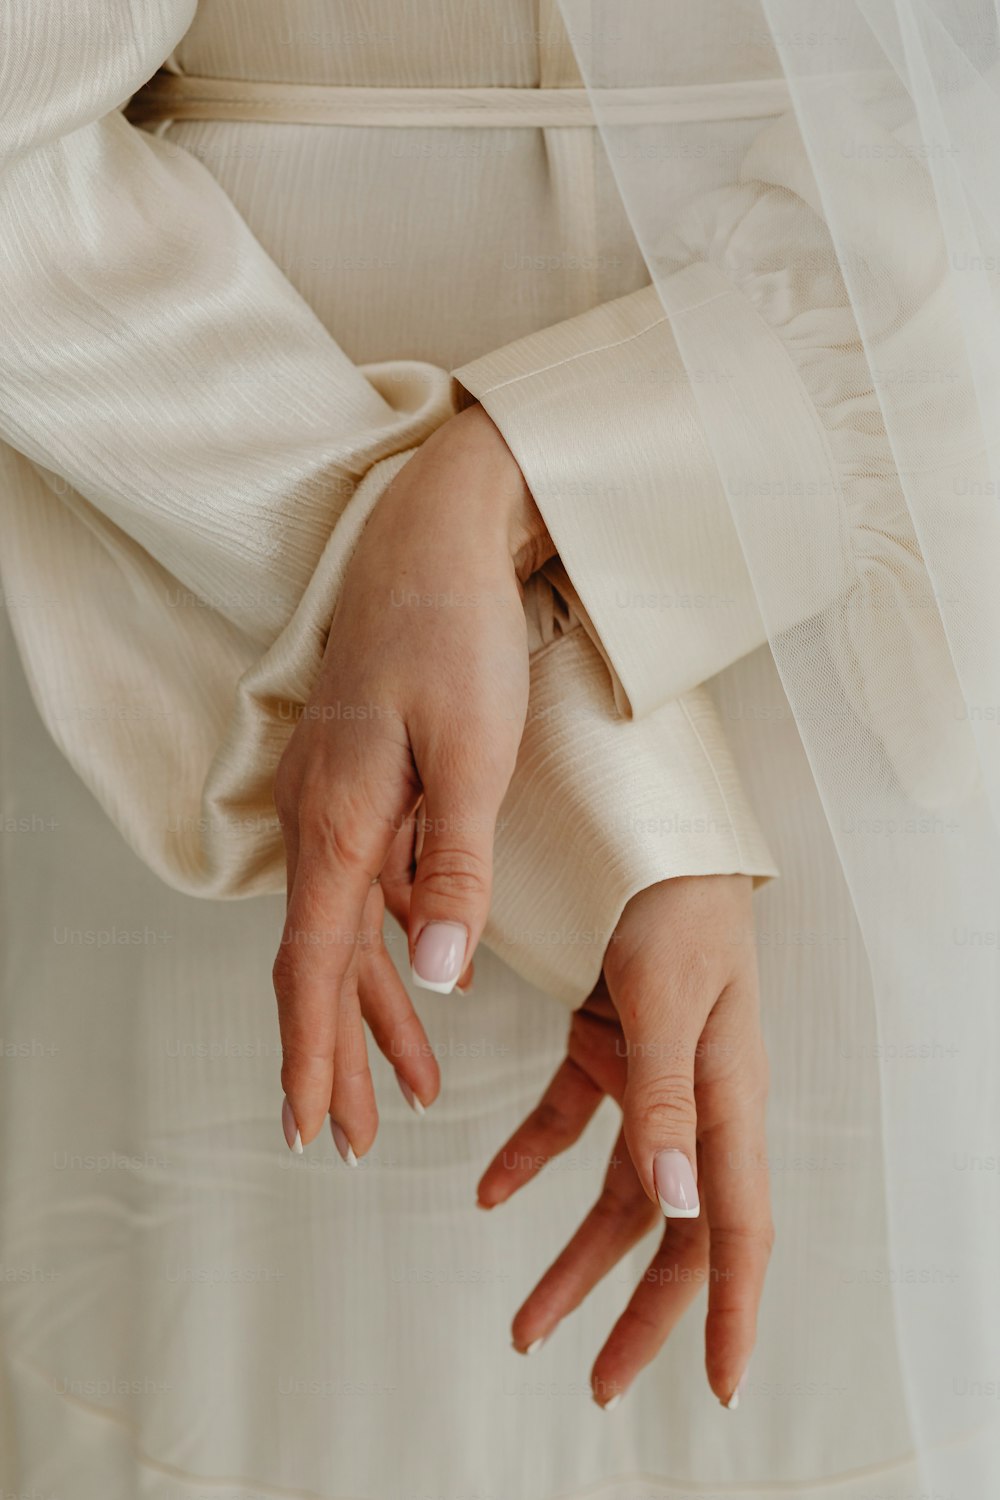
(454, 873)
(550, 1121)
(284, 971)
(336, 835)
(370, 949)
(757, 1238)
(666, 1101)
(298, 968)
(302, 1066)
(642, 1318)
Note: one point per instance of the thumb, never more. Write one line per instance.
(454, 876)
(659, 1104)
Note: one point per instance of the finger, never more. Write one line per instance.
(555, 1124)
(736, 1191)
(662, 1023)
(453, 881)
(398, 869)
(353, 1112)
(466, 981)
(669, 1284)
(333, 875)
(394, 1024)
(290, 837)
(617, 1221)
(595, 1043)
(289, 823)
(397, 885)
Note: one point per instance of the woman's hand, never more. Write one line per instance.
(422, 695)
(372, 993)
(673, 1034)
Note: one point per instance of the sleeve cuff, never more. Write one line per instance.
(602, 807)
(600, 414)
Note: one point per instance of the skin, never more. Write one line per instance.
(443, 693)
(429, 642)
(672, 1034)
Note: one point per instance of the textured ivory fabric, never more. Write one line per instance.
(195, 456)
(219, 342)
(781, 367)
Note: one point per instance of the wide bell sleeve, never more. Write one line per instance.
(602, 806)
(602, 419)
(680, 491)
(188, 459)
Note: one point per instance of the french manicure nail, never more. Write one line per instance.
(439, 957)
(675, 1186)
(343, 1144)
(615, 1401)
(290, 1128)
(535, 1345)
(410, 1097)
(734, 1399)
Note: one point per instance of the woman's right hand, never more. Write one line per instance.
(672, 1033)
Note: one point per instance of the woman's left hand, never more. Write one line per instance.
(422, 697)
(672, 1033)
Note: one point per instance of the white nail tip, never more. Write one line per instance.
(411, 1098)
(615, 1401)
(342, 1144)
(430, 984)
(734, 1400)
(297, 1144)
(534, 1347)
(671, 1212)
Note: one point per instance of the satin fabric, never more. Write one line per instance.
(186, 1309)
(217, 499)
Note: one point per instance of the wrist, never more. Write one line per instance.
(527, 534)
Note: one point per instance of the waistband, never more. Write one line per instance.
(185, 96)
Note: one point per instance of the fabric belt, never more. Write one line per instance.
(184, 96)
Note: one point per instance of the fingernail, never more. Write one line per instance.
(290, 1128)
(343, 1144)
(532, 1348)
(410, 1097)
(734, 1399)
(439, 957)
(675, 1186)
(610, 1405)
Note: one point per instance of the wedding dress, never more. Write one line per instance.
(227, 321)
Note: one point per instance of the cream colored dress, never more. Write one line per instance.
(223, 330)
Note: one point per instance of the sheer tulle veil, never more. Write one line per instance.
(866, 135)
